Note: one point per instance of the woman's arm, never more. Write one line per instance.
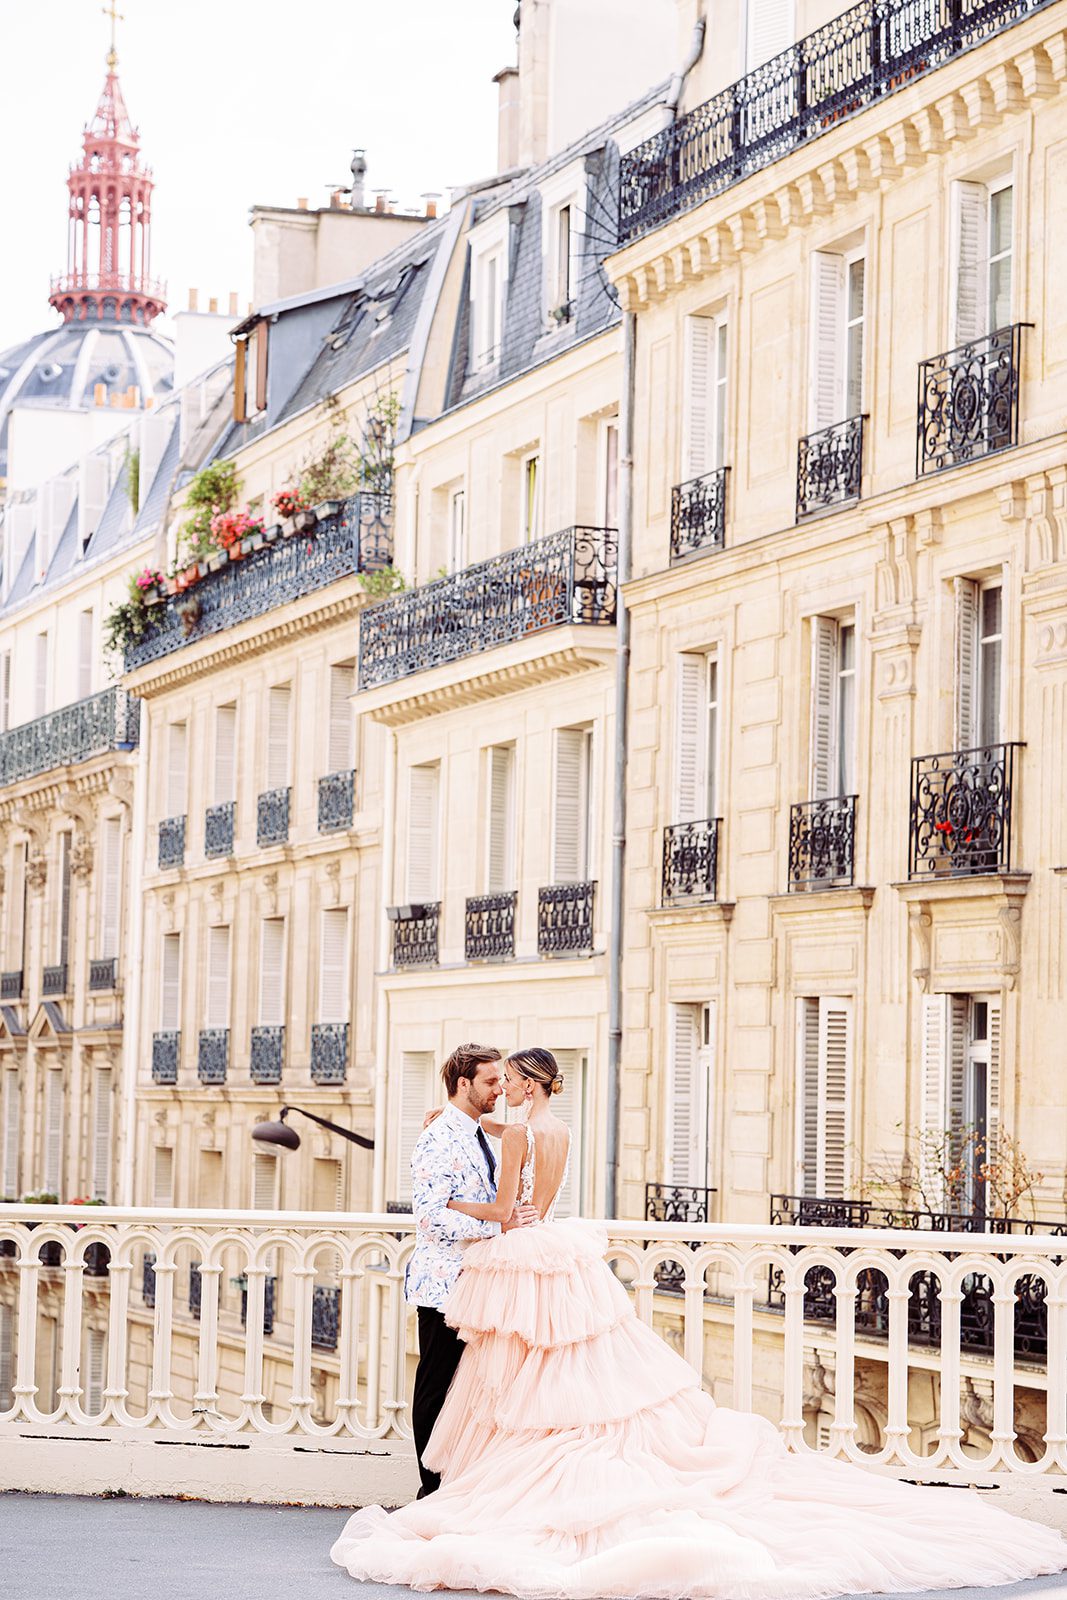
(513, 1148)
(492, 1127)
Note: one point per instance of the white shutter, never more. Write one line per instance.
(689, 761)
(11, 1134)
(423, 817)
(569, 1106)
(828, 342)
(342, 685)
(698, 410)
(62, 945)
(687, 1102)
(771, 29)
(966, 699)
(570, 810)
(499, 873)
(5, 691)
(333, 966)
(954, 1110)
(970, 265)
(101, 1156)
(824, 634)
(835, 1071)
(272, 972)
(40, 688)
(85, 654)
(218, 978)
(264, 1182)
(418, 1092)
(807, 1097)
(170, 983)
(93, 1398)
(176, 769)
(327, 1185)
(163, 1175)
(225, 754)
(935, 1025)
(993, 1085)
(53, 1132)
(278, 737)
(110, 888)
(17, 905)
(93, 494)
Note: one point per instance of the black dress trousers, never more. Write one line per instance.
(440, 1348)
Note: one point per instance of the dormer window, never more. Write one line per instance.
(562, 206)
(487, 310)
(561, 278)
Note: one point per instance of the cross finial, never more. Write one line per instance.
(116, 16)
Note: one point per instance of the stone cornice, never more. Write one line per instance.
(49, 791)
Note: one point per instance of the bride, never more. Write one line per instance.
(580, 1457)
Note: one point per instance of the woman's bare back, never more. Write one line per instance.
(551, 1148)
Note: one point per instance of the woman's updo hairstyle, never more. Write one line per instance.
(540, 1067)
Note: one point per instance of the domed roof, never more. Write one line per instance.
(64, 366)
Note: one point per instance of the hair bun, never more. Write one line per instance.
(557, 1084)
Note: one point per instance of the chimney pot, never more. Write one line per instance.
(379, 204)
(302, 203)
(213, 306)
(233, 302)
(99, 394)
(508, 118)
(194, 298)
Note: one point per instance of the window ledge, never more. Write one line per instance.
(842, 897)
(1008, 886)
(686, 913)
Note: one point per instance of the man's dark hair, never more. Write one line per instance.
(464, 1063)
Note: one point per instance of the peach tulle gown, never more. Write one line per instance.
(580, 1458)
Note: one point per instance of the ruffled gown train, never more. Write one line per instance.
(581, 1459)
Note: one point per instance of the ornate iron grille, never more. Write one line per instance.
(822, 843)
(961, 805)
(830, 467)
(97, 1261)
(148, 1279)
(698, 515)
(172, 842)
(269, 1285)
(272, 817)
(691, 861)
(11, 985)
(325, 1316)
(565, 919)
(329, 1052)
(54, 980)
(213, 1055)
(675, 1202)
(106, 721)
(104, 974)
(490, 927)
(218, 829)
(195, 1289)
(165, 1047)
(357, 538)
(268, 1053)
(337, 801)
(969, 401)
(415, 931)
(869, 51)
(567, 577)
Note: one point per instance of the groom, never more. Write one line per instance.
(452, 1158)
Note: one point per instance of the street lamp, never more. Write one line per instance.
(281, 1134)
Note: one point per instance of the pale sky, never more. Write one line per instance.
(238, 102)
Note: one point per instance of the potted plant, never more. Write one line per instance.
(97, 1256)
(235, 531)
(150, 582)
(288, 502)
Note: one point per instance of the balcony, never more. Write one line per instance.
(106, 721)
(269, 1286)
(171, 843)
(196, 1290)
(415, 929)
(325, 1317)
(11, 985)
(103, 974)
(329, 1052)
(356, 538)
(969, 401)
(565, 919)
(961, 812)
(676, 1202)
(489, 928)
(337, 801)
(568, 577)
(691, 862)
(148, 1278)
(698, 515)
(822, 843)
(213, 1055)
(165, 1050)
(218, 829)
(54, 981)
(268, 1053)
(830, 467)
(272, 818)
(850, 63)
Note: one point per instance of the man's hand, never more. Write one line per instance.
(431, 1116)
(521, 1217)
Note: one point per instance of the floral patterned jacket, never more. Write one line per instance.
(447, 1162)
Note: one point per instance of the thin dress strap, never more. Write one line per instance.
(526, 1188)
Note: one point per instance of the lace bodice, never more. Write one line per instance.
(526, 1181)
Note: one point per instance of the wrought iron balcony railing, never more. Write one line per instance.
(691, 861)
(272, 817)
(54, 980)
(11, 985)
(698, 515)
(269, 1288)
(337, 801)
(415, 931)
(565, 919)
(107, 721)
(329, 1052)
(165, 1050)
(148, 1278)
(830, 467)
(325, 1316)
(195, 1289)
(969, 401)
(218, 829)
(676, 1202)
(213, 1055)
(961, 812)
(357, 538)
(268, 1053)
(489, 933)
(567, 577)
(103, 974)
(822, 843)
(854, 60)
(172, 842)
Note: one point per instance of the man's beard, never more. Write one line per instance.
(483, 1103)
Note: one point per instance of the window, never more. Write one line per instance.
(93, 494)
(170, 984)
(833, 708)
(420, 1088)
(824, 1077)
(209, 1189)
(85, 654)
(571, 1108)
(278, 699)
(961, 1095)
(333, 966)
(217, 1006)
(272, 972)
(423, 832)
(327, 1185)
(12, 1129)
(530, 510)
(487, 281)
(53, 1132)
(839, 337)
(500, 774)
(690, 1089)
(560, 286)
(62, 904)
(704, 401)
(224, 788)
(264, 1182)
(982, 259)
(696, 769)
(770, 29)
(176, 769)
(979, 647)
(5, 690)
(571, 805)
(101, 1151)
(40, 681)
(609, 474)
(342, 686)
(110, 905)
(17, 919)
(163, 1175)
(457, 531)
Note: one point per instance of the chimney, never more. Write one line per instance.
(359, 173)
(99, 394)
(379, 202)
(213, 306)
(194, 296)
(431, 205)
(507, 119)
(233, 303)
(302, 203)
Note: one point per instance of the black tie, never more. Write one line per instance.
(488, 1154)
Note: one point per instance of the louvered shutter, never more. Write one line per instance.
(327, 1185)
(11, 1133)
(771, 29)
(218, 977)
(170, 983)
(110, 888)
(499, 873)
(935, 1024)
(971, 263)
(17, 905)
(264, 1182)
(101, 1156)
(53, 1132)
(423, 817)
(418, 1092)
(63, 900)
(225, 755)
(570, 1108)
(824, 635)
(698, 410)
(835, 1072)
(994, 1090)
(176, 769)
(209, 1192)
(342, 684)
(40, 688)
(163, 1175)
(333, 963)
(683, 1099)
(954, 1112)
(93, 494)
(966, 698)
(5, 691)
(828, 330)
(278, 737)
(85, 654)
(570, 811)
(93, 1398)
(689, 766)
(807, 1097)
(705, 1084)
(272, 972)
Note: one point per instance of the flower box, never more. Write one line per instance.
(304, 520)
(216, 562)
(327, 508)
(289, 527)
(273, 533)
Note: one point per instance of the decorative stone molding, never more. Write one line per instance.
(36, 871)
(968, 910)
(920, 923)
(270, 892)
(333, 876)
(167, 901)
(81, 856)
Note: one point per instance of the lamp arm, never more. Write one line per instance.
(346, 1133)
